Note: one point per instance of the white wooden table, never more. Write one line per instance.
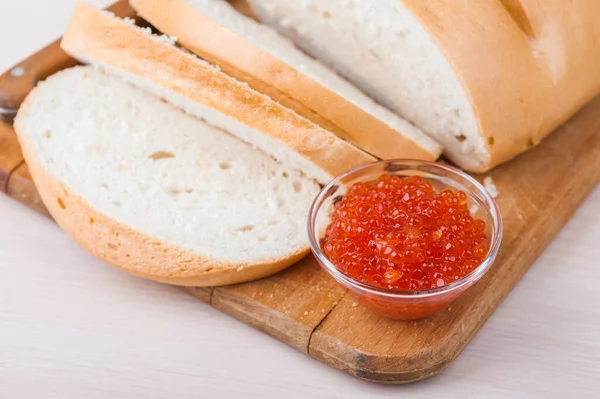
(72, 327)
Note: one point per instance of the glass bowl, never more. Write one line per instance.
(406, 304)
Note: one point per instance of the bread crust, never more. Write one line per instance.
(267, 74)
(131, 250)
(526, 65)
(101, 37)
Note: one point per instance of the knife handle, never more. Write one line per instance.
(19, 80)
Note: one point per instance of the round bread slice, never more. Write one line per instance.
(155, 191)
(182, 79)
(271, 64)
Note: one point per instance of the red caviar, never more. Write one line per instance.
(398, 233)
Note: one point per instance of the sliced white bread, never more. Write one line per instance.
(155, 191)
(488, 79)
(271, 64)
(182, 79)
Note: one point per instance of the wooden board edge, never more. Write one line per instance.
(324, 354)
(19, 187)
(202, 293)
(262, 318)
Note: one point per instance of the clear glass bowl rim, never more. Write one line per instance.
(491, 207)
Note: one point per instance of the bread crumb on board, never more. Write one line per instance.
(473, 209)
(489, 185)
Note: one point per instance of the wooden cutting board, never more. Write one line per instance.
(307, 310)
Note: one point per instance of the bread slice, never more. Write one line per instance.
(155, 64)
(155, 191)
(258, 55)
(487, 79)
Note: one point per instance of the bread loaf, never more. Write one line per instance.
(487, 79)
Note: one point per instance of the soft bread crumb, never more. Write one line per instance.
(489, 185)
(171, 40)
(473, 209)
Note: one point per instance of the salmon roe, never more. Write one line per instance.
(398, 233)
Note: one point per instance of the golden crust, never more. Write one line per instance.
(527, 66)
(267, 74)
(101, 37)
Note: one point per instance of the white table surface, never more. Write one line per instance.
(73, 327)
